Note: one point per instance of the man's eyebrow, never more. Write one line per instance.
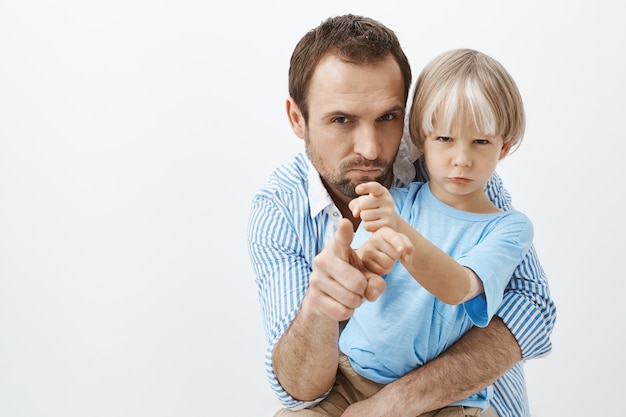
(334, 113)
(394, 109)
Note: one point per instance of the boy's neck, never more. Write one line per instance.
(476, 202)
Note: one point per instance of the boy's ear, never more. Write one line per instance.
(505, 151)
(296, 120)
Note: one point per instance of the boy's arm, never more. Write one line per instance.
(527, 308)
(434, 269)
(382, 249)
(521, 329)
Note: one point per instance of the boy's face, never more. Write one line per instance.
(460, 163)
(356, 121)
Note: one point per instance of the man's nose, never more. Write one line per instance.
(366, 143)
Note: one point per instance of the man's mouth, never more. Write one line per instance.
(366, 171)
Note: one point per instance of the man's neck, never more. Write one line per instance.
(341, 201)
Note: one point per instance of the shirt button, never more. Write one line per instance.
(335, 214)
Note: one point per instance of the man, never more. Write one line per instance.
(348, 83)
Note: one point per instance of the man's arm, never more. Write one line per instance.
(305, 359)
(475, 361)
(296, 291)
(280, 255)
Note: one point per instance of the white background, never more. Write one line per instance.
(133, 134)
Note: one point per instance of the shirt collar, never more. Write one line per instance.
(319, 199)
(403, 166)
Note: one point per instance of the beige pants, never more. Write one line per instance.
(350, 388)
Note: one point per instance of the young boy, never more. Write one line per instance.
(457, 250)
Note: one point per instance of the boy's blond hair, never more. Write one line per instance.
(466, 88)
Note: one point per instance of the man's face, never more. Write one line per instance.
(356, 120)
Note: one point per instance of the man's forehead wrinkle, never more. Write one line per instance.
(369, 96)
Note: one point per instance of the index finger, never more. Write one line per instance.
(342, 240)
(374, 188)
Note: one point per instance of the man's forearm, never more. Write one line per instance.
(474, 362)
(305, 359)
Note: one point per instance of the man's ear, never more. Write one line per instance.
(296, 120)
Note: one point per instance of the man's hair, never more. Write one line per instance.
(353, 39)
(462, 88)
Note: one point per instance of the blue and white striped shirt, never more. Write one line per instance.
(291, 219)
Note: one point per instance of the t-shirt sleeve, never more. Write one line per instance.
(494, 259)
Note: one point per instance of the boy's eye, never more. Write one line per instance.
(481, 141)
(444, 138)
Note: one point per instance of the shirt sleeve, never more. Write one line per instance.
(527, 308)
(282, 276)
(510, 237)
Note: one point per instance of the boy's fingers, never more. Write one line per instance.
(376, 189)
(375, 286)
(371, 187)
(355, 207)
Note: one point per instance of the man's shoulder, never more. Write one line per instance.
(287, 179)
(497, 192)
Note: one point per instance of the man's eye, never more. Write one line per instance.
(340, 120)
(388, 117)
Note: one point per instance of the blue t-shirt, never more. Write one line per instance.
(407, 326)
